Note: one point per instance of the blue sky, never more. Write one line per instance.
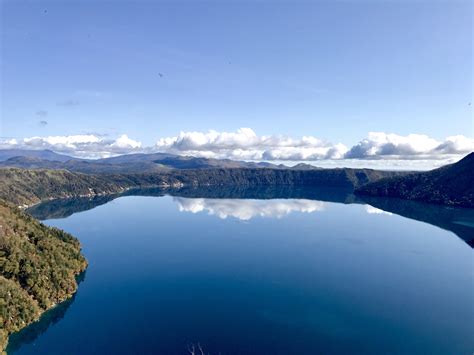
(335, 70)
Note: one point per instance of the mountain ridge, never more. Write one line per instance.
(138, 162)
(45, 154)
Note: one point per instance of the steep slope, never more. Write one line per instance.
(38, 265)
(451, 185)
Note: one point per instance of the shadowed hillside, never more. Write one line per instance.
(21, 186)
(451, 185)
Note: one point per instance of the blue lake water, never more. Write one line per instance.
(263, 276)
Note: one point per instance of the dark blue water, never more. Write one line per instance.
(248, 276)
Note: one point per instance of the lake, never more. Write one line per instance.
(273, 271)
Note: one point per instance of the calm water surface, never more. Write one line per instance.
(263, 276)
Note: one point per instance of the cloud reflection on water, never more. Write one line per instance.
(246, 209)
(373, 210)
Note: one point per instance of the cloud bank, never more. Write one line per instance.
(379, 145)
(83, 145)
(245, 144)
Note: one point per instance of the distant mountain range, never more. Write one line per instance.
(45, 154)
(451, 185)
(130, 163)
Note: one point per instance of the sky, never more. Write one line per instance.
(370, 80)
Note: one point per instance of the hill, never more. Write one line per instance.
(182, 162)
(129, 163)
(82, 166)
(38, 265)
(45, 154)
(22, 186)
(451, 185)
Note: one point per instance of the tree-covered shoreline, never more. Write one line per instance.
(38, 268)
(30, 186)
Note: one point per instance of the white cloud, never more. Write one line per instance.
(380, 145)
(83, 145)
(247, 209)
(245, 144)
(61, 141)
(378, 150)
(456, 145)
(125, 143)
(372, 210)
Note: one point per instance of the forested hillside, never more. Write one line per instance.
(38, 265)
(22, 186)
(451, 185)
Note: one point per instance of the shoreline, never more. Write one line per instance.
(44, 313)
(46, 249)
